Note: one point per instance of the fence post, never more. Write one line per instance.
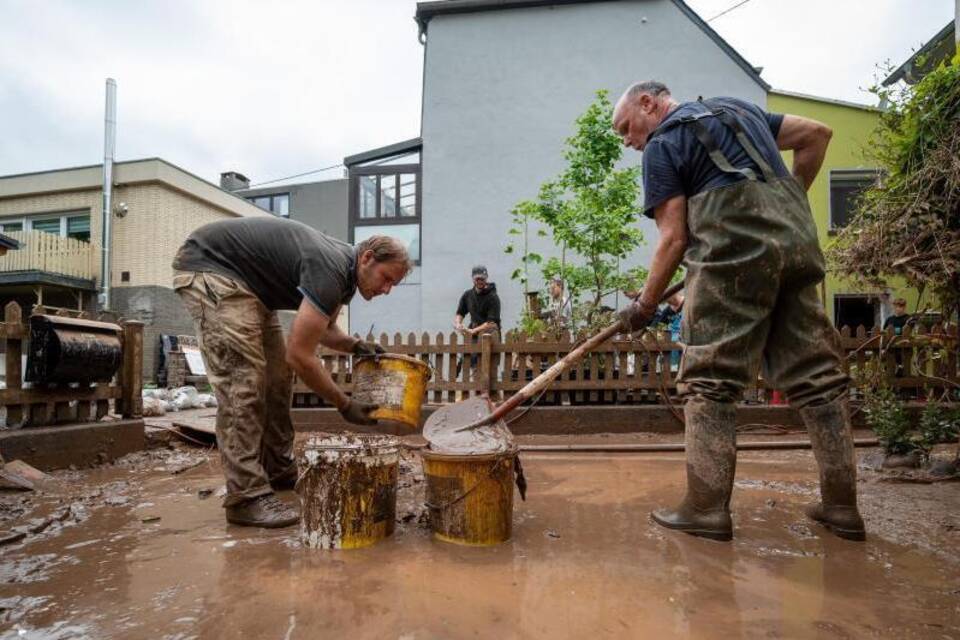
(131, 372)
(485, 358)
(13, 318)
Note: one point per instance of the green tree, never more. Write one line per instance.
(591, 213)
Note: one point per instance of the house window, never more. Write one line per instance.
(385, 200)
(278, 203)
(70, 224)
(408, 234)
(47, 225)
(78, 228)
(846, 188)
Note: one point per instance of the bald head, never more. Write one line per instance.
(640, 109)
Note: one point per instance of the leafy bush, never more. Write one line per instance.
(938, 425)
(888, 419)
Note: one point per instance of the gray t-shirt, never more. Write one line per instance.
(279, 260)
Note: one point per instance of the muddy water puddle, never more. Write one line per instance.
(584, 562)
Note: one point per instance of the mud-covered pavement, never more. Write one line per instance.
(140, 549)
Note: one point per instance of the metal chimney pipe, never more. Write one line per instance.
(109, 144)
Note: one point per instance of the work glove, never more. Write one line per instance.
(637, 315)
(364, 348)
(357, 412)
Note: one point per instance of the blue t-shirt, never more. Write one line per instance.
(676, 163)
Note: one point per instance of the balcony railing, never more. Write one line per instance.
(50, 253)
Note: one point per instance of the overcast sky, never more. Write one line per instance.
(277, 88)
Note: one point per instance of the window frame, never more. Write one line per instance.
(271, 197)
(26, 220)
(379, 170)
(849, 175)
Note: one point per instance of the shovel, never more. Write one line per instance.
(448, 413)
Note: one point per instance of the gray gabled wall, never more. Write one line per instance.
(501, 92)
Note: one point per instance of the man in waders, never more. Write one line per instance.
(233, 276)
(726, 205)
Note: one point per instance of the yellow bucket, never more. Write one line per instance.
(470, 497)
(347, 484)
(397, 383)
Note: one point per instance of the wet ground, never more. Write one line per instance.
(140, 549)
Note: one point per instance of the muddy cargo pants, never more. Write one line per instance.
(243, 348)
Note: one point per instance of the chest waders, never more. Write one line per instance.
(753, 264)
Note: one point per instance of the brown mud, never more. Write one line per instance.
(134, 550)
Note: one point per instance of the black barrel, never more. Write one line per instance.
(66, 350)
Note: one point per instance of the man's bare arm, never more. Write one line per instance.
(310, 328)
(671, 217)
(334, 337)
(808, 139)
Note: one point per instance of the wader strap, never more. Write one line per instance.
(706, 139)
(728, 119)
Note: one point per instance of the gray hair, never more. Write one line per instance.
(650, 88)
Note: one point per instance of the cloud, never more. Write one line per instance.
(269, 90)
(274, 89)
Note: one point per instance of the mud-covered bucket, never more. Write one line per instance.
(470, 496)
(347, 485)
(397, 383)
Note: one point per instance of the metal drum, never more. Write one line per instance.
(66, 350)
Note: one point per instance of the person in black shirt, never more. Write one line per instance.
(482, 304)
(900, 317)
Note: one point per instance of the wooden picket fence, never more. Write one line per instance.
(55, 404)
(628, 370)
(50, 253)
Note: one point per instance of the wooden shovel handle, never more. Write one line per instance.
(537, 385)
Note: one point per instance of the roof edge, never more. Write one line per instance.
(723, 44)
(413, 144)
(900, 72)
(427, 10)
(839, 103)
(136, 161)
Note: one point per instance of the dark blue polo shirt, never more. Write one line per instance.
(675, 162)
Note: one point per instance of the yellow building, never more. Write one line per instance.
(56, 215)
(845, 173)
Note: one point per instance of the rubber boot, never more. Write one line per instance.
(266, 511)
(832, 442)
(711, 443)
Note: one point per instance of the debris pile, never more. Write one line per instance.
(157, 402)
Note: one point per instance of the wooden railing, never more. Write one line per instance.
(51, 253)
(54, 404)
(632, 371)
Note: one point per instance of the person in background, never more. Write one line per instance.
(559, 311)
(900, 317)
(482, 304)
(669, 317)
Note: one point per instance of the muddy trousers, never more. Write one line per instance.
(243, 347)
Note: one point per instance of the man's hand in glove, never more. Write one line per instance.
(363, 348)
(358, 412)
(636, 316)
